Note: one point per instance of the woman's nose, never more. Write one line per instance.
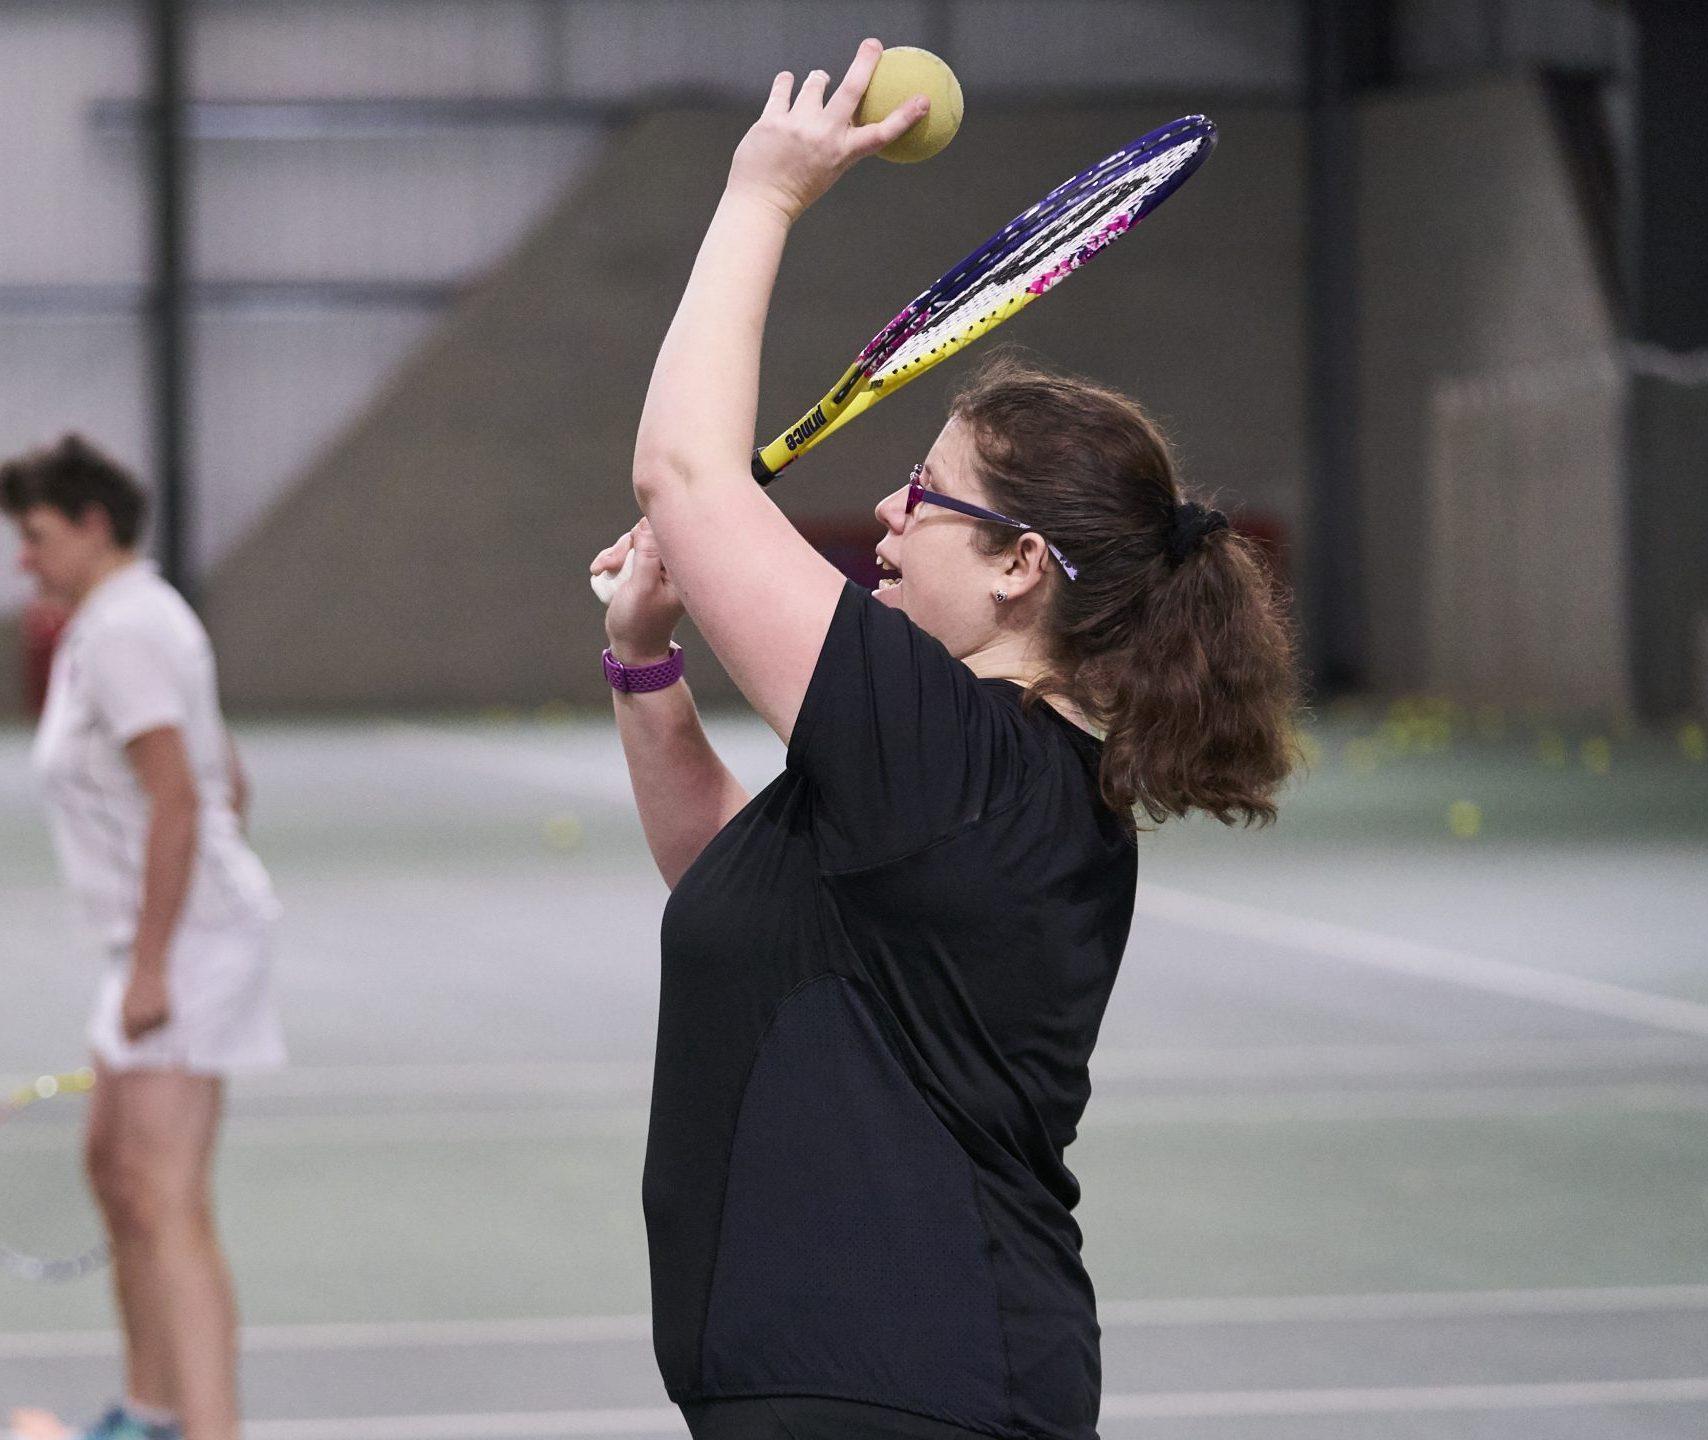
(892, 510)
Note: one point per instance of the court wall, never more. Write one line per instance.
(437, 552)
(1492, 401)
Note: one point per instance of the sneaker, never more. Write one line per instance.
(119, 1424)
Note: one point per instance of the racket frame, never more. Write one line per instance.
(860, 387)
(19, 1263)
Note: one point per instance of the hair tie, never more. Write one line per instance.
(1191, 524)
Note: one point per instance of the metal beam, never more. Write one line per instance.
(361, 118)
(117, 300)
(1667, 503)
(168, 305)
(1329, 581)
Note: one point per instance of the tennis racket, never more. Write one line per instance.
(1032, 254)
(49, 1229)
(1027, 258)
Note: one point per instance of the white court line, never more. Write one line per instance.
(1429, 962)
(1115, 1314)
(360, 1335)
(573, 774)
(1189, 1404)
(1452, 1103)
(591, 1077)
(381, 1128)
(1428, 1059)
(545, 1424)
(1403, 1305)
(1109, 1063)
(1186, 1404)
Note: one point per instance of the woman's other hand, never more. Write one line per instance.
(146, 1006)
(795, 152)
(644, 612)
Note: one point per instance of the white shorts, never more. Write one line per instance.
(219, 987)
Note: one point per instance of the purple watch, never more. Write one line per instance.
(641, 679)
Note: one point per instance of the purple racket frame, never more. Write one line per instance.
(981, 262)
(1013, 248)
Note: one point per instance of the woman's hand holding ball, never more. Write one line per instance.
(797, 150)
(643, 609)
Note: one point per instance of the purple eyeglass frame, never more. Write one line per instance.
(916, 493)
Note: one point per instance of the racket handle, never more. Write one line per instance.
(762, 472)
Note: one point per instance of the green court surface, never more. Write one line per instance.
(1400, 1124)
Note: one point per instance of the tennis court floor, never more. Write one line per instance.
(1400, 1125)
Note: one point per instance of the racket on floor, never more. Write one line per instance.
(1026, 259)
(49, 1227)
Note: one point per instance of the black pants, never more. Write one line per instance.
(805, 1418)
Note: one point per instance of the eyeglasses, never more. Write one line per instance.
(918, 493)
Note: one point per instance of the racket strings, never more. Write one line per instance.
(1037, 250)
(49, 1228)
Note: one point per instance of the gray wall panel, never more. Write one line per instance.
(1475, 272)
(73, 206)
(58, 375)
(448, 531)
(340, 48)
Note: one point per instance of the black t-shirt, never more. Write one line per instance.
(881, 985)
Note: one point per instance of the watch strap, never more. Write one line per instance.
(643, 679)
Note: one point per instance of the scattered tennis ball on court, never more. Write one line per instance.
(1551, 747)
(1465, 819)
(1491, 722)
(1597, 755)
(1693, 741)
(1396, 735)
(555, 712)
(563, 831)
(903, 72)
(1361, 756)
(1431, 735)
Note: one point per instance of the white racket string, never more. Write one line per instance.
(1081, 221)
(49, 1230)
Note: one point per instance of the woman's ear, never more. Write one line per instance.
(1025, 567)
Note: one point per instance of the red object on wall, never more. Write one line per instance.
(44, 623)
(1269, 533)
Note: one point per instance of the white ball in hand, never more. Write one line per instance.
(605, 583)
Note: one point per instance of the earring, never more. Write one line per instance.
(1001, 595)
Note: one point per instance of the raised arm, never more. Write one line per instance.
(761, 596)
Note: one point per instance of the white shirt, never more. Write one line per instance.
(133, 659)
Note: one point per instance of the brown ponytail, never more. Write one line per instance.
(1173, 640)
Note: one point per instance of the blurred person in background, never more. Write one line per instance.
(145, 799)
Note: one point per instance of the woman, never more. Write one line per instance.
(883, 975)
(145, 798)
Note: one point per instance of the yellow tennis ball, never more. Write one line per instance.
(1465, 819)
(903, 72)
